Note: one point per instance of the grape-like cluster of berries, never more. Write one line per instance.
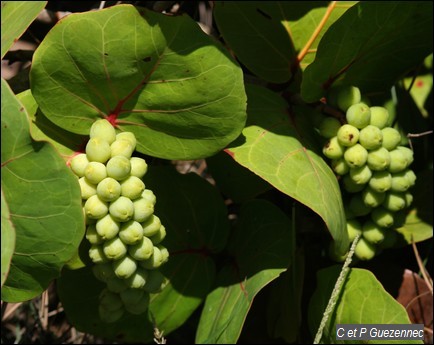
(373, 167)
(124, 234)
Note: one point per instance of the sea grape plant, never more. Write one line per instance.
(307, 116)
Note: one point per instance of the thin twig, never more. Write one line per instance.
(423, 271)
(11, 310)
(315, 34)
(101, 5)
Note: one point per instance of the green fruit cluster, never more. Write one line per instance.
(373, 168)
(124, 233)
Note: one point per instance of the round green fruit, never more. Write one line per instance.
(78, 164)
(124, 267)
(103, 272)
(395, 201)
(143, 209)
(98, 150)
(95, 208)
(141, 250)
(132, 187)
(103, 129)
(154, 281)
(354, 228)
(344, 96)
(107, 227)
(122, 209)
(391, 138)
(87, 188)
(381, 181)
(329, 127)
(114, 249)
(383, 217)
(139, 167)
(372, 232)
(372, 198)
(151, 226)
(359, 115)
(131, 232)
(358, 207)
(356, 156)
(379, 159)
(118, 167)
(122, 147)
(332, 149)
(348, 135)
(379, 117)
(371, 137)
(398, 161)
(364, 250)
(138, 279)
(108, 189)
(361, 175)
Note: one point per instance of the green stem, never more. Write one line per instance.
(338, 286)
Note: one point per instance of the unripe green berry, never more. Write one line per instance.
(378, 159)
(411, 177)
(108, 189)
(379, 117)
(143, 209)
(122, 209)
(140, 306)
(407, 153)
(408, 199)
(344, 96)
(350, 186)
(400, 182)
(131, 232)
(127, 136)
(118, 167)
(124, 267)
(398, 162)
(372, 232)
(149, 195)
(78, 164)
(110, 316)
(98, 150)
(139, 167)
(132, 296)
(164, 253)
(95, 208)
(159, 236)
(329, 127)
(95, 172)
(383, 217)
(356, 156)
(86, 187)
(151, 226)
(371, 137)
(364, 250)
(361, 175)
(122, 147)
(358, 115)
(96, 254)
(391, 138)
(110, 301)
(372, 198)
(138, 279)
(154, 281)
(354, 228)
(340, 166)
(103, 129)
(358, 207)
(103, 272)
(114, 249)
(116, 284)
(332, 149)
(92, 236)
(107, 227)
(381, 181)
(395, 201)
(141, 250)
(132, 187)
(155, 261)
(348, 135)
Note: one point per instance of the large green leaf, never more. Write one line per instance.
(44, 201)
(157, 76)
(196, 222)
(362, 300)
(41, 128)
(276, 144)
(260, 249)
(7, 239)
(233, 180)
(273, 38)
(16, 18)
(371, 46)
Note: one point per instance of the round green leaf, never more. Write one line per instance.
(159, 77)
(43, 197)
